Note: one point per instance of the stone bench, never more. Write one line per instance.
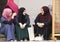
(2, 37)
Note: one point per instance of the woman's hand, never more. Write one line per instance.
(21, 26)
(14, 14)
(43, 24)
(24, 25)
(12, 17)
(40, 25)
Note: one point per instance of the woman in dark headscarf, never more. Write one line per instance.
(22, 24)
(43, 23)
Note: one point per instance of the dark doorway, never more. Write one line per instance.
(2, 5)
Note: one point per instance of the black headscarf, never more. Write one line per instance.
(46, 10)
(21, 10)
(46, 17)
(21, 17)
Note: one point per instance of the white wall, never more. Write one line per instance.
(33, 6)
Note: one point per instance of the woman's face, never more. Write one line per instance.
(42, 11)
(24, 13)
(10, 14)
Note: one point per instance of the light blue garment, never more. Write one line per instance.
(8, 30)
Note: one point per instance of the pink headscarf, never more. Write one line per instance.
(6, 13)
(12, 5)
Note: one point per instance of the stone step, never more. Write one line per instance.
(2, 36)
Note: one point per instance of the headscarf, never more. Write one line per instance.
(46, 17)
(6, 13)
(46, 10)
(21, 10)
(21, 17)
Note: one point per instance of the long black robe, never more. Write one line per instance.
(46, 29)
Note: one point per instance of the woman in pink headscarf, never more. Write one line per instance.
(14, 8)
(7, 13)
(7, 24)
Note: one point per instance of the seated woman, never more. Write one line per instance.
(43, 23)
(22, 25)
(7, 27)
